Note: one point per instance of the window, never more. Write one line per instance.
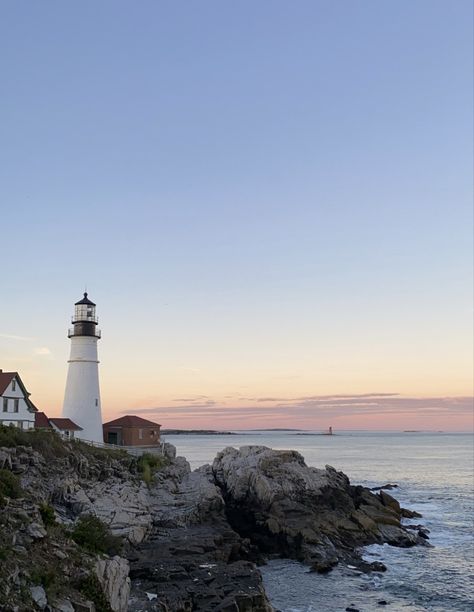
(5, 404)
(140, 434)
(16, 403)
(13, 385)
(96, 402)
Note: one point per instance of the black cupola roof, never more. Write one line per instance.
(85, 300)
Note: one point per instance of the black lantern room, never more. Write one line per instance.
(84, 319)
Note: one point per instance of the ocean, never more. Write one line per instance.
(435, 476)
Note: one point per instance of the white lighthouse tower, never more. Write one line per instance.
(82, 395)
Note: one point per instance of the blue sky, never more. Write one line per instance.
(263, 196)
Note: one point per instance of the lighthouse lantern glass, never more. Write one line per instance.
(84, 312)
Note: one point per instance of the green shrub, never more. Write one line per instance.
(48, 443)
(47, 514)
(10, 485)
(101, 453)
(148, 464)
(91, 589)
(46, 577)
(95, 536)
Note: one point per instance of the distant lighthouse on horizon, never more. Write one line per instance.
(82, 394)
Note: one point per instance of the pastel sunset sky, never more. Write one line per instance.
(269, 201)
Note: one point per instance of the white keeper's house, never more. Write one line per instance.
(15, 406)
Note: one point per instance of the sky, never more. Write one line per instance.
(270, 202)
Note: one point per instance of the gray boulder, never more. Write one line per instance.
(289, 509)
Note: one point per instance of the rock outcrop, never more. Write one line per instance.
(193, 540)
(113, 577)
(193, 559)
(288, 509)
(52, 488)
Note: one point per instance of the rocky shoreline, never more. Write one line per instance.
(193, 540)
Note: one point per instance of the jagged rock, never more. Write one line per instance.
(409, 513)
(113, 577)
(387, 486)
(5, 459)
(194, 538)
(289, 509)
(38, 595)
(390, 502)
(63, 606)
(84, 607)
(36, 531)
(169, 451)
(193, 560)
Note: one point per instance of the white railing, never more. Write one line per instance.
(71, 332)
(136, 451)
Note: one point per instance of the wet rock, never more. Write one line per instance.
(409, 513)
(382, 602)
(390, 502)
(324, 566)
(378, 566)
(387, 486)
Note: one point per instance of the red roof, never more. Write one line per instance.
(41, 421)
(65, 424)
(131, 420)
(5, 379)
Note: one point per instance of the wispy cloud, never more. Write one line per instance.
(14, 337)
(194, 398)
(42, 350)
(309, 411)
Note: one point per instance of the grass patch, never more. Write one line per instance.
(101, 453)
(148, 464)
(48, 443)
(47, 514)
(91, 589)
(10, 485)
(91, 534)
(46, 577)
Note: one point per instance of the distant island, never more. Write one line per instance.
(200, 432)
(275, 429)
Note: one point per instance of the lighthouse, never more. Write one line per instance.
(82, 395)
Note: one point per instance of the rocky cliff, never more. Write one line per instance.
(187, 540)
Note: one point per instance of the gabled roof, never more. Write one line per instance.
(5, 380)
(65, 424)
(42, 421)
(131, 420)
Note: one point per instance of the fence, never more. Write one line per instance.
(136, 451)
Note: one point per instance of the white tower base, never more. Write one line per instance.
(82, 396)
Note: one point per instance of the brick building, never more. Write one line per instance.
(131, 430)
